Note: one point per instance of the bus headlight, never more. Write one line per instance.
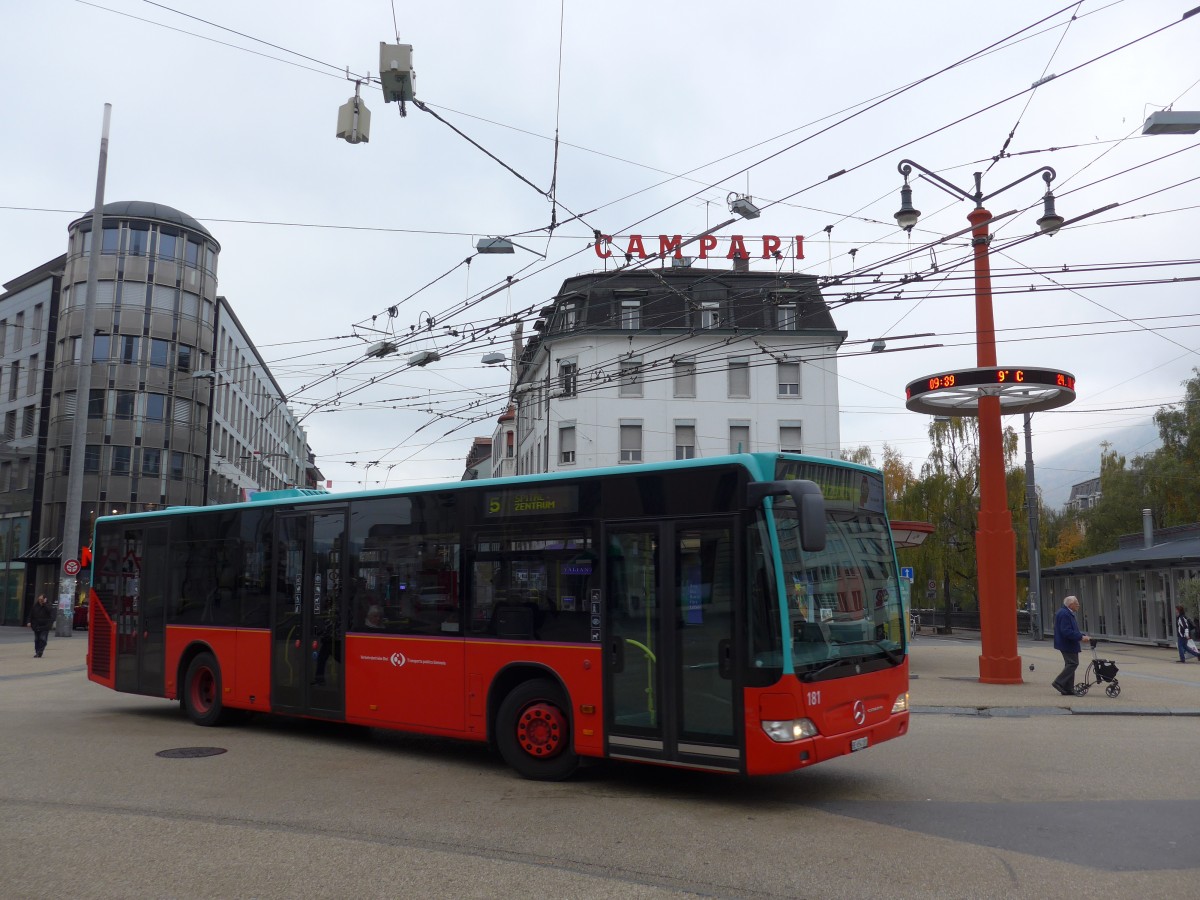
(789, 729)
(901, 704)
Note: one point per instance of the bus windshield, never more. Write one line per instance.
(844, 607)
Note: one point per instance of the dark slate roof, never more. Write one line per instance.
(143, 209)
(1184, 552)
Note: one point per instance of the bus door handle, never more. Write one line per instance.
(617, 654)
(725, 658)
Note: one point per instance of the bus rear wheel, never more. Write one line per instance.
(202, 691)
(533, 732)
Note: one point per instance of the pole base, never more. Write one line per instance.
(1000, 670)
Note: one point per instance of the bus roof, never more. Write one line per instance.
(761, 467)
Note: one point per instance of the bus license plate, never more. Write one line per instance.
(858, 744)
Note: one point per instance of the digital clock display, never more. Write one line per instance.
(1009, 376)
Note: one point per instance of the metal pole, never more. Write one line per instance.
(83, 387)
(1035, 564)
(995, 541)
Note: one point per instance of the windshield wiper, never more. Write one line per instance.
(814, 675)
(892, 657)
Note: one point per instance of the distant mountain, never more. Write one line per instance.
(1056, 473)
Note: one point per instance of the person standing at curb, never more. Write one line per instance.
(41, 617)
(1066, 641)
(1184, 635)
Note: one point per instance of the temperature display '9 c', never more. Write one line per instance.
(987, 376)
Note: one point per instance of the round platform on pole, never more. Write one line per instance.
(1019, 389)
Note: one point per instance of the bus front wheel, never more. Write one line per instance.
(202, 691)
(534, 732)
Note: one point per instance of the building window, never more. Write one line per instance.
(151, 461)
(139, 242)
(710, 314)
(67, 410)
(789, 439)
(192, 254)
(739, 378)
(28, 421)
(176, 466)
(101, 346)
(631, 442)
(789, 379)
(110, 240)
(739, 438)
(685, 378)
(685, 441)
(96, 403)
(568, 317)
(14, 378)
(37, 323)
(10, 425)
(159, 353)
(631, 314)
(630, 378)
(125, 404)
(120, 463)
(183, 358)
(156, 408)
(127, 349)
(786, 317)
(568, 378)
(64, 459)
(509, 449)
(566, 445)
(91, 459)
(31, 386)
(168, 246)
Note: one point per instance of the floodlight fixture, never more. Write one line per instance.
(1168, 121)
(743, 205)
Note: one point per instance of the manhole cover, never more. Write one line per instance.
(190, 752)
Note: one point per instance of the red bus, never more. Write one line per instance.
(705, 614)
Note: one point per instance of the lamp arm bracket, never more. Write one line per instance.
(906, 166)
(1048, 175)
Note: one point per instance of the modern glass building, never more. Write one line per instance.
(181, 409)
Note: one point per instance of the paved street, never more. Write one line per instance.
(999, 791)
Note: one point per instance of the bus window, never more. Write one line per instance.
(533, 587)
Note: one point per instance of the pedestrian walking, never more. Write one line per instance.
(1066, 641)
(41, 617)
(1184, 636)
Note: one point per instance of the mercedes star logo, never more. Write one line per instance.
(860, 712)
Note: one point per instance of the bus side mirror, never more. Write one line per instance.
(810, 507)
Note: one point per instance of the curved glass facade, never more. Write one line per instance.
(154, 318)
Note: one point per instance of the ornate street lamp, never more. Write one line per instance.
(985, 392)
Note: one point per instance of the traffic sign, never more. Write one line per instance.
(931, 585)
(71, 567)
(906, 572)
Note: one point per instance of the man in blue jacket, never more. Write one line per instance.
(1066, 641)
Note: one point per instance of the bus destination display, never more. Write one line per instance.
(531, 501)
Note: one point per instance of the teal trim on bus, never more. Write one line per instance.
(760, 466)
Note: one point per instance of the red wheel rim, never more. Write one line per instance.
(542, 730)
(203, 690)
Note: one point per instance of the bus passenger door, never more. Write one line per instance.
(308, 629)
(141, 605)
(670, 675)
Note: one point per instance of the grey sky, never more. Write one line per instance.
(647, 91)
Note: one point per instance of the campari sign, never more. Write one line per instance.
(640, 246)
